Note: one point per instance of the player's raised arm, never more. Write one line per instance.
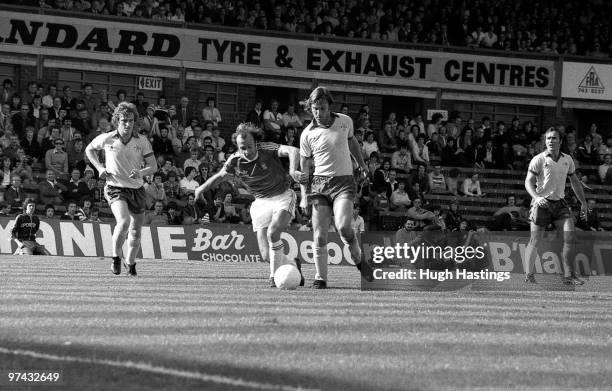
(212, 182)
(294, 159)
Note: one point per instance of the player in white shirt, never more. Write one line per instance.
(125, 152)
(328, 143)
(545, 182)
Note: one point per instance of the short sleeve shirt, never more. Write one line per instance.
(329, 146)
(122, 158)
(551, 174)
(264, 176)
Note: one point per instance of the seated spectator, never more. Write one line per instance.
(591, 221)
(605, 170)
(357, 222)
(210, 156)
(402, 160)
(452, 182)
(31, 146)
(6, 172)
(172, 187)
(437, 182)
(230, 210)
(509, 217)
(422, 149)
(155, 191)
(76, 189)
(94, 216)
(162, 144)
(193, 160)
(471, 186)
(400, 201)
(50, 212)
(14, 194)
(188, 184)
(453, 217)
(381, 176)
(157, 216)
(486, 156)
(217, 141)
(387, 139)
(272, 120)
(370, 145)
(290, 138)
(194, 212)
(5, 209)
(84, 212)
(291, 119)
(373, 163)
(605, 149)
(50, 190)
(420, 177)
(423, 218)
(71, 212)
(174, 215)
(453, 155)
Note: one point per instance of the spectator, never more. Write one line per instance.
(83, 213)
(76, 155)
(435, 124)
(422, 148)
(453, 217)
(50, 212)
(155, 191)
(184, 113)
(31, 145)
(591, 221)
(400, 201)
(272, 120)
(94, 216)
(188, 184)
(217, 141)
(193, 160)
(194, 213)
(587, 153)
(423, 218)
(437, 181)
(255, 116)
(453, 155)
(174, 216)
(76, 189)
(56, 160)
(14, 194)
(162, 144)
(291, 119)
(157, 216)
(486, 156)
(370, 145)
(357, 222)
(471, 186)
(387, 139)
(402, 160)
(605, 170)
(50, 190)
(452, 182)
(510, 217)
(211, 113)
(172, 187)
(22, 119)
(71, 212)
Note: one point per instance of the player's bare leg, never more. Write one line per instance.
(122, 218)
(343, 214)
(262, 243)
(280, 221)
(321, 218)
(567, 231)
(133, 241)
(531, 251)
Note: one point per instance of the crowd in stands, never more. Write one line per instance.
(556, 27)
(43, 134)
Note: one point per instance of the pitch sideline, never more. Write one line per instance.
(236, 382)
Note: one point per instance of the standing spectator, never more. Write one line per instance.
(357, 222)
(435, 124)
(587, 153)
(7, 91)
(47, 100)
(14, 194)
(387, 139)
(56, 160)
(6, 122)
(22, 120)
(89, 100)
(255, 116)
(184, 114)
(162, 144)
(211, 112)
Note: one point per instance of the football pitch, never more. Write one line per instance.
(183, 325)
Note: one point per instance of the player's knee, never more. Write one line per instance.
(273, 234)
(135, 233)
(320, 240)
(347, 235)
(122, 225)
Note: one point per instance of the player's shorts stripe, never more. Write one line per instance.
(571, 173)
(533, 172)
(148, 154)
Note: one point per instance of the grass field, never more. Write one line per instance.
(205, 326)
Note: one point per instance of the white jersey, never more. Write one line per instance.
(122, 158)
(551, 175)
(329, 146)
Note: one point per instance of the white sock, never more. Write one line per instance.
(277, 255)
(320, 259)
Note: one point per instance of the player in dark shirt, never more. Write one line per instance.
(259, 167)
(25, 229)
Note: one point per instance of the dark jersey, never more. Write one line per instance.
(264, 176)
(26, 227)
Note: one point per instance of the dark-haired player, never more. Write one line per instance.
(125, 152)
(545, 182)
(24, 231)
(259, 167)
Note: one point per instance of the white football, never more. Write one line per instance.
(287, 277)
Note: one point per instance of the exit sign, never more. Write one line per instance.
(150, 83)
